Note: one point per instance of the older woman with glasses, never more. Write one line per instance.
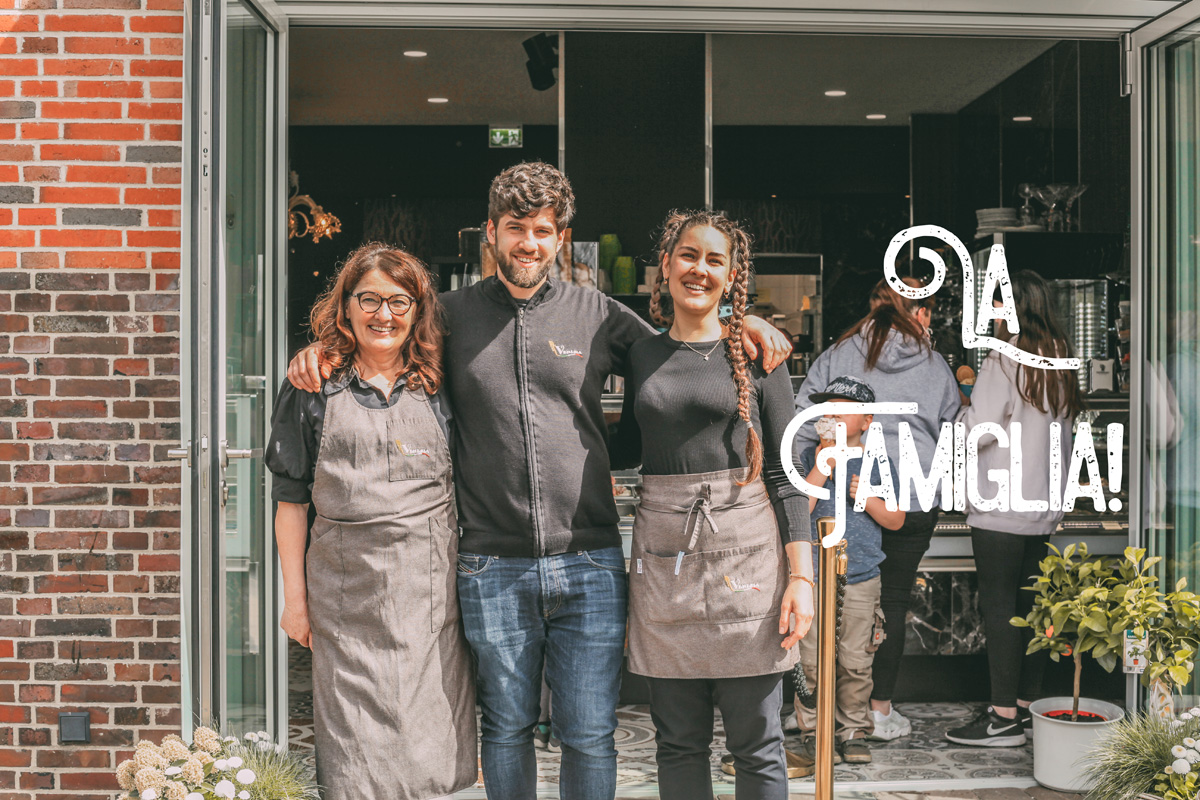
(373, 592)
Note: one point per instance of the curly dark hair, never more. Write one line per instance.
(525, 189)
(421, 352)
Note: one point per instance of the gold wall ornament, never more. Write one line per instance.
(305, 217)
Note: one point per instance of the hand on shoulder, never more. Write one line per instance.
(308, 369)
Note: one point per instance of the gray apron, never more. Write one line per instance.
(706, 579)
(393, 698)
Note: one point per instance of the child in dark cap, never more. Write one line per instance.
(862, 619)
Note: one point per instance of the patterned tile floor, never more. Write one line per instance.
(924, 757)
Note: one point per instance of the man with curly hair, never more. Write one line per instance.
(541, 574)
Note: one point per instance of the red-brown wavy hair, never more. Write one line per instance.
(421, 351)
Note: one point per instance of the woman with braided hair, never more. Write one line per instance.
(720, 585)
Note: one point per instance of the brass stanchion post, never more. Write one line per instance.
(832, 563)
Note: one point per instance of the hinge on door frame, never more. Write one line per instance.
(1126, 64)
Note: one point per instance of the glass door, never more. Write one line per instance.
(1165, 63)
(246, 560)
(235, 646)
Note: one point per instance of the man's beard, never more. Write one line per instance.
(523, 277)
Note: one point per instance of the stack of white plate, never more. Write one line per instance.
(992, 220)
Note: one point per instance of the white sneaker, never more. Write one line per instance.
(791, 724)
(889, 726)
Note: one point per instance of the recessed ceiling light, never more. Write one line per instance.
(835, 93)
(438, 100)
(415, 53)
(1022, 119)
(876, 116)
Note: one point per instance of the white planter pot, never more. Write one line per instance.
(1060, 746)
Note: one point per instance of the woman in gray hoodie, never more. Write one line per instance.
(1012, 542)
(889, 349)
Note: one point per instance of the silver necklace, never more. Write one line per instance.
(711, 350)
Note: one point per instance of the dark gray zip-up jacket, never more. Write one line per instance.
(531, 465)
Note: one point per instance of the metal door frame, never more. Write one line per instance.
(203, 351)
(1134, 47)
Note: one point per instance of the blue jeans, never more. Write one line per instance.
(568, 611)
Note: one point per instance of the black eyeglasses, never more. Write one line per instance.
(369, 302)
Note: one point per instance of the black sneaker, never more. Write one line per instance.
(1026, 718)
(989, 729)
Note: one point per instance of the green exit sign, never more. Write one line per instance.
(504, 136)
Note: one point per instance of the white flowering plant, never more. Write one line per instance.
(213, 767)
(1177, 780)
(1144, 753)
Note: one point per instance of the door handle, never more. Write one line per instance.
(181, 453)
(228, 454)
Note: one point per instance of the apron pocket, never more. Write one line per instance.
(324, 574)
(443, 558)
(711, 587)
(415, 450)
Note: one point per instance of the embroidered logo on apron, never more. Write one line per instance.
(563, 352)
(737, 586)
(412, 451)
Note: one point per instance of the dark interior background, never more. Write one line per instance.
(634, 149)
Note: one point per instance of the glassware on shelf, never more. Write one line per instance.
(1070, 222)
(1052, 197)
(472, 274)
(1026, 215)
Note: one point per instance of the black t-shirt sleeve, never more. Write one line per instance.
(623, 327)
(776, 404)
(292, 449)
(625, 447)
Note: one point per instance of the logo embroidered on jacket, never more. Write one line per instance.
(413, 451)
(737, 586)
(563, 352)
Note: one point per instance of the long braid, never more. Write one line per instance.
(737, 353)
(660, 317)
(739, 259)
(672, 229)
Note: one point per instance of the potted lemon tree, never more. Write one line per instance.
(1076, 599)
(1085, 606)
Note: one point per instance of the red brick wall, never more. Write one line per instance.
(91, 109)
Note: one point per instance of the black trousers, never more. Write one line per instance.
(1004, 563)
(682, 710)
(903, 550)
